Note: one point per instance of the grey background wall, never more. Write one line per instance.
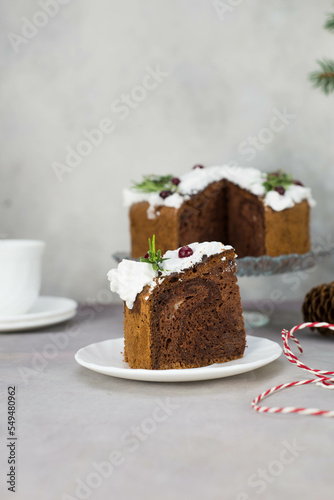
(219, 73)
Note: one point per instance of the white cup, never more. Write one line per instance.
(20, 275)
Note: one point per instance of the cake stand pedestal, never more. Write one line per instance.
(255, 319)
(269, 266)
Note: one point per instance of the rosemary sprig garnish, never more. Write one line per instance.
(154, 257)
(277, 179)
(155, 183)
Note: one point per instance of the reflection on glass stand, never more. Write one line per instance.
(268, 266)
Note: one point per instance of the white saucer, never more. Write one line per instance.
(107, 358)
(46, 311)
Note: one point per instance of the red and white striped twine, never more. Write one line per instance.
(323, 379)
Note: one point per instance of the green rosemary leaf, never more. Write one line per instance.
(154, 258)
(155, 183)
(276, 179)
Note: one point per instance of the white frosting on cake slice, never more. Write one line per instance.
(175, 264)
(130, 277)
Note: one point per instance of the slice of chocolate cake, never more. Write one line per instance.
(186, 312)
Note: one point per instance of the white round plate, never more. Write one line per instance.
(46, 311)
(107, 358)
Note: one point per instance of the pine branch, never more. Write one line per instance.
(329, 24)
(324, 79)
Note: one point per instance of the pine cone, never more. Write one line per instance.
(319, 306)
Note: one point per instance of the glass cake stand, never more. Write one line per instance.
(268, 266)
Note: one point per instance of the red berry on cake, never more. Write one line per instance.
(146, 256)
(298, 183)
(176, 181)
(280, 190)
(185, 252)
(197, 166)
(165, 194)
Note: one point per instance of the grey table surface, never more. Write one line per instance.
(86, 435)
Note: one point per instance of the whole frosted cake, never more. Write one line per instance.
(182, 310)
(258, 213)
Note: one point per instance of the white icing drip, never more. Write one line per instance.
(131, 196)
(153, 284)
(198, 179)
(293, 194)
(151, 212)
(130, 277)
